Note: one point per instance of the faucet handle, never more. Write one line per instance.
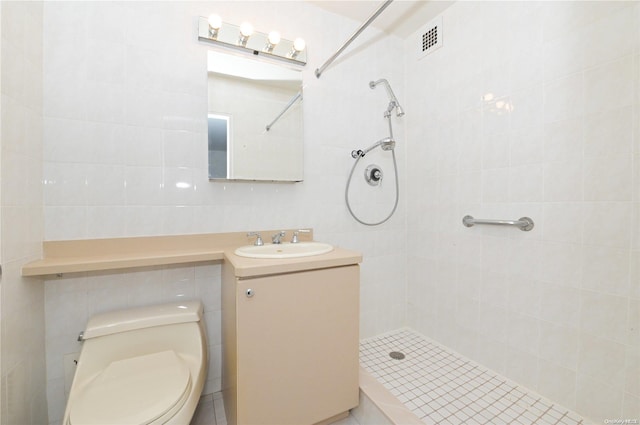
(294, 238)
(258, 241)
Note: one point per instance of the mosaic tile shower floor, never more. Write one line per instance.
(442, 387)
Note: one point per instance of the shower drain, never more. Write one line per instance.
(396, 355)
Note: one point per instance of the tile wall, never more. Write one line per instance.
(531, 109)
(23, 394)
(125, 120)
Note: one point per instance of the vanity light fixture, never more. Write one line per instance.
(246, 30)
(244, 38)
(272, 40)
(298, 46)
(215, 22)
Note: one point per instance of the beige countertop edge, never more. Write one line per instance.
(51, 266)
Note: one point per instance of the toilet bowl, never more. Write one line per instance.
(140, 366)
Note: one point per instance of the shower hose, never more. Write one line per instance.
(346, 192)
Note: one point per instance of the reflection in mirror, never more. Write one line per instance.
(218, 129)
(245, 97)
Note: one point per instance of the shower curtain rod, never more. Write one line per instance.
(285, 109)
(320, 70)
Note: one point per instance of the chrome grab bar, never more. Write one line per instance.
(523, 223)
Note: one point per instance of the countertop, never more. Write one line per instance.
(88, 255)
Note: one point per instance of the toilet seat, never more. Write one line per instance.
(141, 390)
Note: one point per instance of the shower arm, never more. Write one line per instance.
(329, 61)
(393, 100)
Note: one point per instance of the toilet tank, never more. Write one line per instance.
(122, 334)
(143, 317)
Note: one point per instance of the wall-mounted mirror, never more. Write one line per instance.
(255, 120)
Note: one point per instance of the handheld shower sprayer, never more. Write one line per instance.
(393, 100)
(386, 144)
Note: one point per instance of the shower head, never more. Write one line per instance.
(393, 100)
(387, 144)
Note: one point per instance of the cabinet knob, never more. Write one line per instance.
(249, 293)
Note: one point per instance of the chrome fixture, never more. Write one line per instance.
(293, 100)
(386, 144)
(258, 241)
(375, 14)
(277, 238)
(272, 40)
(298, 46)
(243, 38)
(393, 101)
(294, 238)
(215, 22)
(246, 30)
(373, 173)
(524, 223)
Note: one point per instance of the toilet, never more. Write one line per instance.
(140, 366)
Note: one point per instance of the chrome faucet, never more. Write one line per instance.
(277, 237)
(258, 241)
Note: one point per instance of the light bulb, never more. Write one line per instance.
(215, 21)
(299, 44)
(274, 37)
(246, 29)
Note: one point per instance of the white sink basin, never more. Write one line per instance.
(284, 250)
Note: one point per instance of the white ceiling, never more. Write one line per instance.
(402, 17)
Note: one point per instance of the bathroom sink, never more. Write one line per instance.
(284, 250)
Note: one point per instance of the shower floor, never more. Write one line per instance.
(442, 387)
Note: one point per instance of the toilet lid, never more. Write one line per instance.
(136, 391)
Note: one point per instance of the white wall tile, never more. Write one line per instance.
(609, 86)
(606, 270)
(609, 133)
(564, 98)
(603, 315)
(22, 311)
(559, 345)
(607, 224)
(558, 383)
(563, 140)
(601, 359)
(563, 181)
(597, 399)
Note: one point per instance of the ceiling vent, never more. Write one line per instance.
(430, 37)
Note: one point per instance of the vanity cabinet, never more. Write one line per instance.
(290, 345)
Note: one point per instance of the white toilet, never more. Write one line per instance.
(140, 366)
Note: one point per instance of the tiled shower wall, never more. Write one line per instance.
(531, 109)
(23, 394)
(125, 105)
